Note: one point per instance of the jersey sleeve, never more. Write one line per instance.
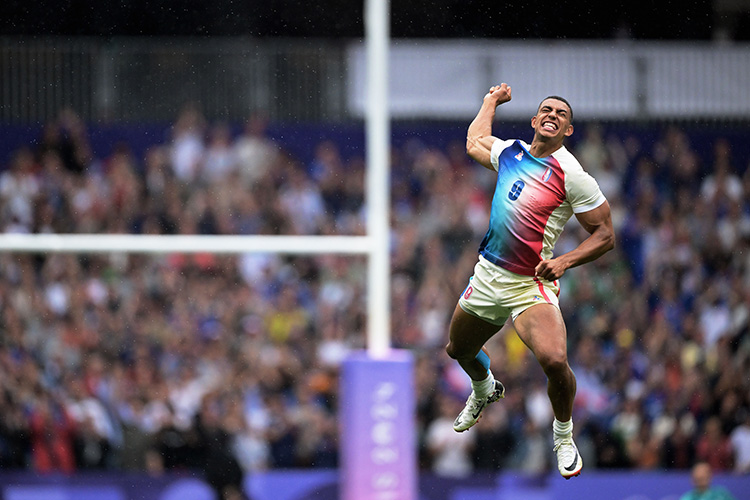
(497, 148)
(583, 191)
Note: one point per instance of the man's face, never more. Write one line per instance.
(702, 477)
(552, 120)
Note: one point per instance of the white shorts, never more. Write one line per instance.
(495, 293)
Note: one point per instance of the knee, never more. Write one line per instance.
(453, 351)
(554, 362)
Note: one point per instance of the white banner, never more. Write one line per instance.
(601, 79)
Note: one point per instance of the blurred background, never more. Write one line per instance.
(207, 376)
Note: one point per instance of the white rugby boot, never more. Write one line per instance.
(569, 461)
(474, 406)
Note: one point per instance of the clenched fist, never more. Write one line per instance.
(499, 94)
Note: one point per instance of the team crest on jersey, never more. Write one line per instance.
(519, 156)
(547, 174)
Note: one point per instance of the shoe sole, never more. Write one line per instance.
(573, 475)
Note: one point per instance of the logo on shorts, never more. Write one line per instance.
(468, 291)
(537, 297)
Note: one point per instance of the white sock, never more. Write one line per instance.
(483, 388)
(562, 429)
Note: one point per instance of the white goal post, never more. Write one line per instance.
(161, 244)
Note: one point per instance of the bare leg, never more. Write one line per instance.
(468, 335)
(542, 329)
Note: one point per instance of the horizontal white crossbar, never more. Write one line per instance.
(161, 244)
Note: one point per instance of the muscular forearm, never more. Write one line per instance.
(601, 241)
(479, 136)
(481, 126)
(597, 244)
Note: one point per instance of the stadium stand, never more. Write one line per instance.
(128, 362)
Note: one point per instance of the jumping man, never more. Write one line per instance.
(539, 188)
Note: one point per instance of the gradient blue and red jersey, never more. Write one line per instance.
(534, 199)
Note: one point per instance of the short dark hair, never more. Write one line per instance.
(558, 98)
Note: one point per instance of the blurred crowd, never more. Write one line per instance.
(229, 364)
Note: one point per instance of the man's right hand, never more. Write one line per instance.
(479, 138)
(498, 94)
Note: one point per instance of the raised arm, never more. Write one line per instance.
(479, 138)
(598, 222)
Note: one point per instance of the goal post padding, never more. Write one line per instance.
(378, 439)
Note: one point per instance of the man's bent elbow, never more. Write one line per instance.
(471, 147)
(610, 242)
(478, 153)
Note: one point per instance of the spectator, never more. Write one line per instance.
(723, 185)
(702, 488)
(52, 436)
(740, 439)
(67, 138)
(188, 148)
(19, 188)
(450, 452)
(254, 151)
(219, 162)
(714, 446)
(14, 435)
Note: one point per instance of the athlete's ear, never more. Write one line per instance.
(533, 121)
(569, 132)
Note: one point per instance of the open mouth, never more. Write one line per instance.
(549, 126)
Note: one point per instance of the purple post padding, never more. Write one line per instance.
(378, 439)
